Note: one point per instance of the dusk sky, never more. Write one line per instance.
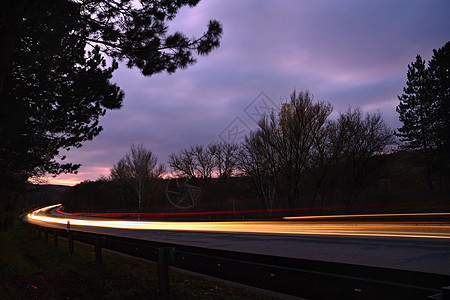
(351, 53)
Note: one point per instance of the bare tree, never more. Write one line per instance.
(325, 154)
(287, 144)
(362, 137)
(139, 167)
(259, 163)
(198, 165)
(183, 163)
(195, 162)
(301, 123)
(205, 162)
(119, 176)
(225, 159)
(301, 149)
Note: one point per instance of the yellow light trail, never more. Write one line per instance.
(366, 229)
(367, 216)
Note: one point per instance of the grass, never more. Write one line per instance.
(31, 268)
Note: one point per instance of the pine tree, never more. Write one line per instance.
(54, 79)
(439, 70)
(416, 109)
(425, 113)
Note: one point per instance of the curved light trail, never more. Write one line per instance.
(299, 227)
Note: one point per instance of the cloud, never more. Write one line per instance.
(350, 53)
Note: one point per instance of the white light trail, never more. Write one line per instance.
(365, 229)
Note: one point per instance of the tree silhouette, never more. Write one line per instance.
(424, 110)
(140, 169)
(55, 80)
(362, 138)
(125, 30)
(416, 109)
(300, 150)
(53, 91)
(439, 74)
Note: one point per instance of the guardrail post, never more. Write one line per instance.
(39, 233)
(446, 293)
(46, 234)
(55, 237)
(98, 252)
(165, 257)
(70, 238)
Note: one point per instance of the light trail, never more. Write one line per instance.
(365, 229)
(367, 216)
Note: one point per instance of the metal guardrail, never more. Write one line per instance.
(297, 277)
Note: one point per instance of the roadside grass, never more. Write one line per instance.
(31, 268)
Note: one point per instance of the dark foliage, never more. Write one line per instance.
(44, 195)
(424, 110)
(55, 81)
(55, 92)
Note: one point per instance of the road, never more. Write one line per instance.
(419, 246)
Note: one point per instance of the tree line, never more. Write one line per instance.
(301, 150)
(55, 85)
(297, 151)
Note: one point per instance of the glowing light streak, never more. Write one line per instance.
(367, 216)
(175, 215)
(439, 231)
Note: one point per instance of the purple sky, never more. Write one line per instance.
(348, 52)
